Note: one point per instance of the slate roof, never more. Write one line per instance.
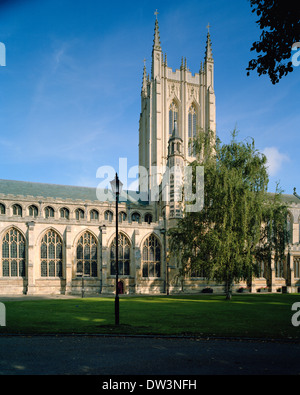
(64, 192)
(68, 192)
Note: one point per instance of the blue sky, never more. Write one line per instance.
(70, 90)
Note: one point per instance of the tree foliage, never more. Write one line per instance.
(240, 225)
(280, 24)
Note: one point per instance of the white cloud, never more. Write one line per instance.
(274, 160)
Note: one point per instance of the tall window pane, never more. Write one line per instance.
(123, 256)
(51, 255)
(17, 210)
(86, 256)
(33, 211)
(13, 254)
(173, 116)
(79, 214)
(49, 212)
(151, 262)
(192, 130)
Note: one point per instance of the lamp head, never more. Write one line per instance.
(116, 185)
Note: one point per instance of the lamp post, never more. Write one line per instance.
(116, 187)
(102, 228)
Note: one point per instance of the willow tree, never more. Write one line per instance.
(228, 239)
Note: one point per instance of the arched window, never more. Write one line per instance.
(17, 210)
(135, 217)
(79, 214)
(290, 228)
(173, 116)
(64, 213)
(108, 216)
(33, 211)
(51, 255)
(148, 218)
(86, 256)
(49, 212)
(297, 266)
(13, 254)
(123, 256)
(122, 216)
(2, 209)
(94, 215)
(279, 265)
(151, 258)
(192, 130)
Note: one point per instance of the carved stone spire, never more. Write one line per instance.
(156, 41)
(144, 86)
(208, 52)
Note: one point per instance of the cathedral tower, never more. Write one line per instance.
(169, 96)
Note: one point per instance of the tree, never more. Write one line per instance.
(280, 24)
(227, 240)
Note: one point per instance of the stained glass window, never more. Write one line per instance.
(123, 256)
(51, 255)
(86, 256)
(151, 257)
(297, 267)
(13, 254)
(192, 130)
(173, 116)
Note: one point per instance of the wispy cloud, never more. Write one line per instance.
(275, 160)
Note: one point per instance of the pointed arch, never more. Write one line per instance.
(124, 255)
(151, 257)
(173, 115)
(51, 254)
(94, 215)
(33, 211)
(2, 209)
(17, 210)
(13, 253)
(49, 212)
(86, 258)
(192, 128)
(136, 216)
(108, 215)
(64, 213)
(79, 213)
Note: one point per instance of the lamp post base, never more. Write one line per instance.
(117, 310)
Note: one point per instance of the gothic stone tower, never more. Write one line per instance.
(167, 96)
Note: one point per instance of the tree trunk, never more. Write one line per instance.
(228, 289)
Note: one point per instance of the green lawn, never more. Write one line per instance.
(265, 315)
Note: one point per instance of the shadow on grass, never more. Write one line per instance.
(267, 316)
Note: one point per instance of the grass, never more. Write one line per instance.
(255, 316)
